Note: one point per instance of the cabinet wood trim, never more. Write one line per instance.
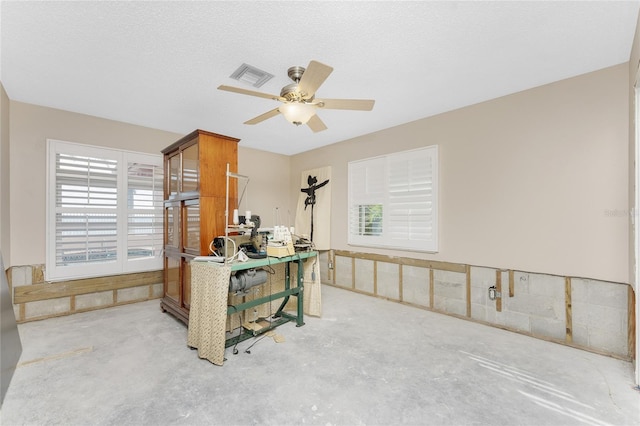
(174, 146)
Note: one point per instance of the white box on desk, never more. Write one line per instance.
(281, 251)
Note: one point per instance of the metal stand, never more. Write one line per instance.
(226, 208)
(282, 317)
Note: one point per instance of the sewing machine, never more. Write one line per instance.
(247, 238)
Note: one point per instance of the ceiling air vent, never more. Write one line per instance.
(251, 75)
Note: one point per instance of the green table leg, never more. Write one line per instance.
(300, 295)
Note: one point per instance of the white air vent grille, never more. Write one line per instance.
(251, 75)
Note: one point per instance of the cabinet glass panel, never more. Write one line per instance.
(192, 215)
(186, 284)
(172, 284)
(172, 218)
(173, 174)
(190, 168)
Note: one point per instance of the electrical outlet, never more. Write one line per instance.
(494, 293)
(330, 265)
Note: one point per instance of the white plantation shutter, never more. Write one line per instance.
(411, 200)
(102, 214)
(393, 200)
(85, 209)
(367, 193)
(144, 210)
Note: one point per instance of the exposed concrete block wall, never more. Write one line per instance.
(600, 313)
(387, 274)
(413, 289)
(363, 273)
(45, 309)
(483, 278)
(585, 313)
(326, 268)
(343, 271)
(537, 306)
(449, 293)
(94, 300)
(42, 302)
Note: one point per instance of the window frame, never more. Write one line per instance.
(122, 264)
(375, 189)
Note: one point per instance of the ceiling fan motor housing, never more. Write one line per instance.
(290, 93)
(295, 73)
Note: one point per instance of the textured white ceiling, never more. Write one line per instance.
(158, 64)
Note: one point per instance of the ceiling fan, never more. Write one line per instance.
(299, 104)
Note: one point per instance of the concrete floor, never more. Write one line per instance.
(366, 361)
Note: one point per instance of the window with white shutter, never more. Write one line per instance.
(104, 211)
(393, 200)
(144, 209)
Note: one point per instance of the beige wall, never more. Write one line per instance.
(5, 242)
(268, 182)
(634, 72)
(535, 181)
(32, 125)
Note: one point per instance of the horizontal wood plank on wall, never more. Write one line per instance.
(44, 291)
(407, 261)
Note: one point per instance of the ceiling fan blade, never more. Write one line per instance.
(250, 92)
(262, 117)
(316, 124)
(314, 75)
(353, 104)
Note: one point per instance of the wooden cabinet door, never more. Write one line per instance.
(172, 176)
(172, 278)
(186, 283)
(172, 220)
(191, 215)
(190, 169)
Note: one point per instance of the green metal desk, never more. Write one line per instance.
(280, 316)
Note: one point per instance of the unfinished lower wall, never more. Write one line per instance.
(590, 314)
(35, 299)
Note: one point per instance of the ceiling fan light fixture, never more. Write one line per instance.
(298, 99)
(297, 112)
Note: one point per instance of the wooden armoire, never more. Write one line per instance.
(195, 194)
